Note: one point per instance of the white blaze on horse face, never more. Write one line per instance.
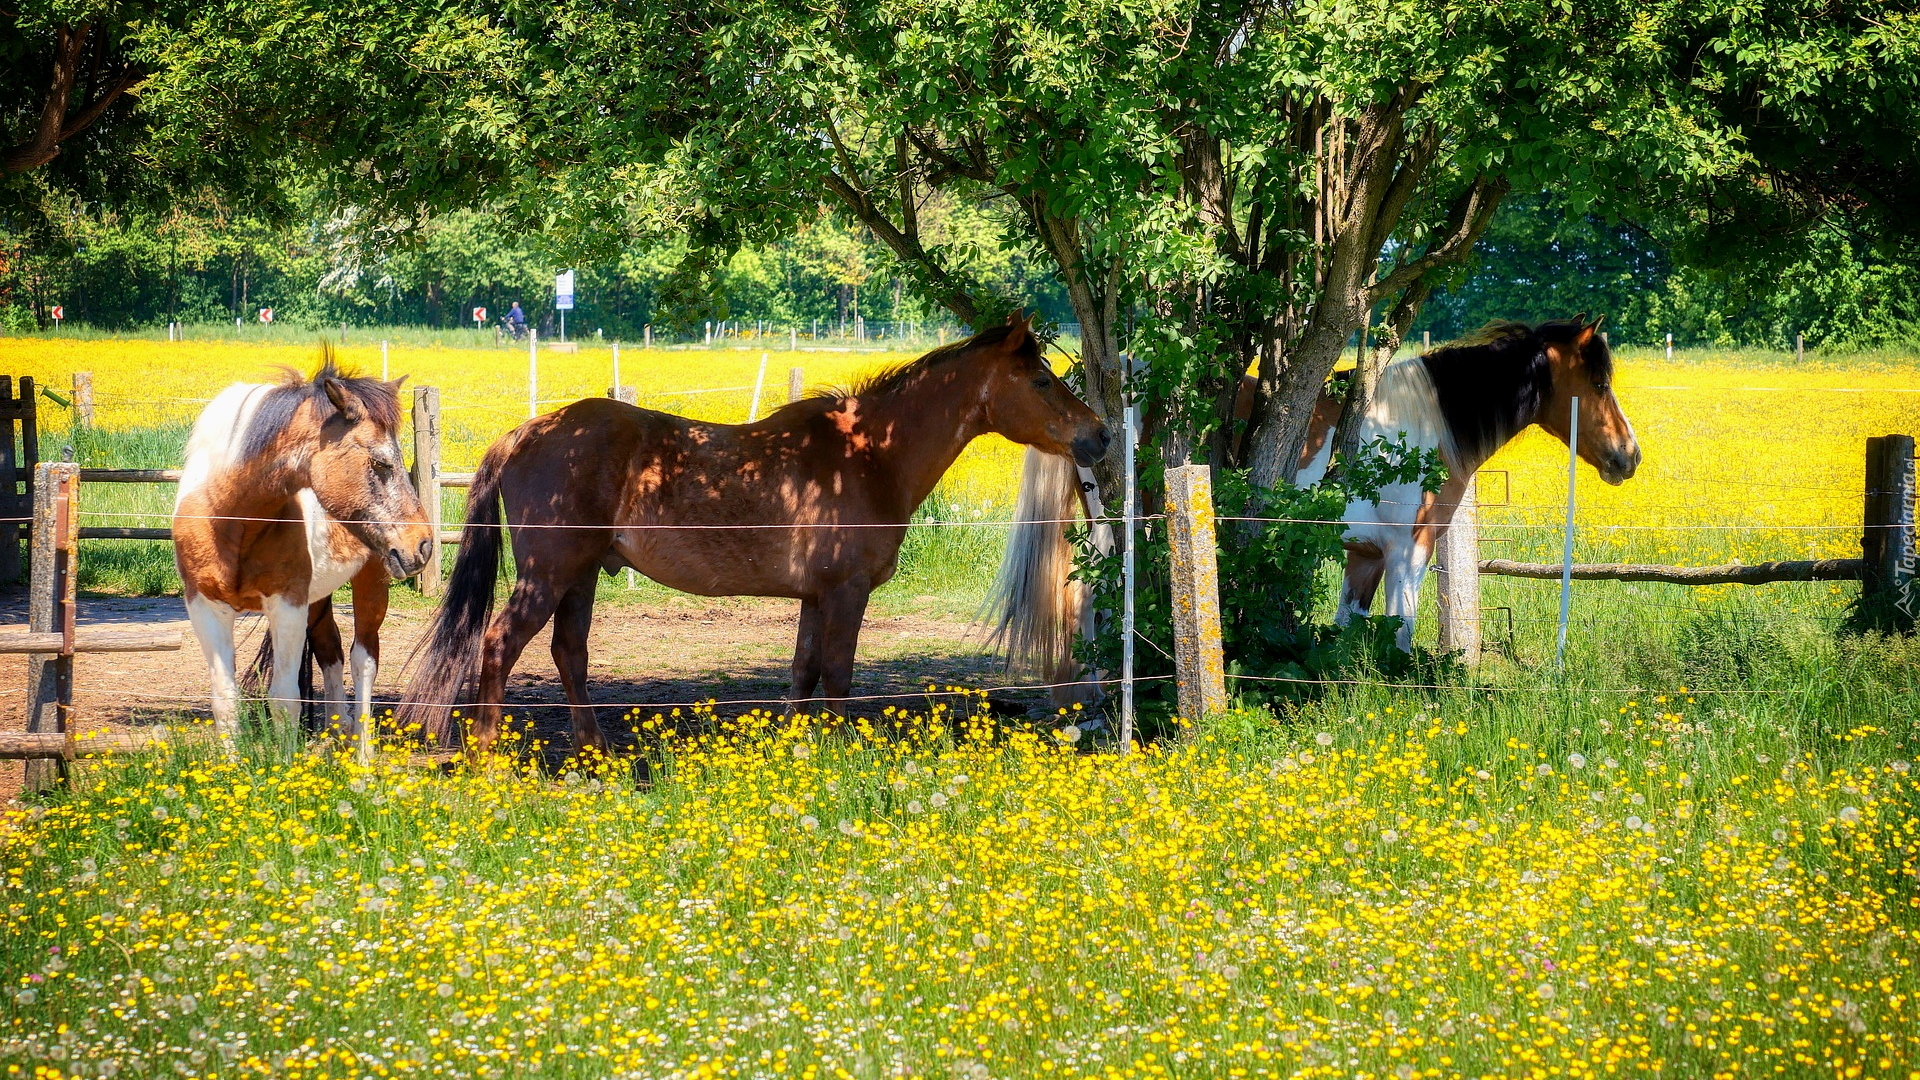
(213, 626)
(329, 571)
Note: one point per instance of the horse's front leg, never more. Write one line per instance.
(213, 627)
(842, 610)
(370, 587)
(1406, 566)
(287, 622)
(806, 656)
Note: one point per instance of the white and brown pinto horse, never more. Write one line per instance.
(291, 490)
(1466, 400)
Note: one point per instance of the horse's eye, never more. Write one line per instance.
(1043, 381)
(382, 466)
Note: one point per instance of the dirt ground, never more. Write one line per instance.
(680, 650)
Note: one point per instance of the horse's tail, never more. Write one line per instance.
(1033, 608)
(445, 660)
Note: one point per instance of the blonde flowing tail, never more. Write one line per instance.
(1034, 608)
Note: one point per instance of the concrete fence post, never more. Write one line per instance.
(82, 399)
(1199, 666)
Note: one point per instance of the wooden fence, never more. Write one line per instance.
(52, 640)
(1886, 569)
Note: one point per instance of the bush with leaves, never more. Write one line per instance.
(1270, 583)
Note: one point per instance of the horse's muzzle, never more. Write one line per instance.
(1091, 446)
(401, 566)
(1617, 467)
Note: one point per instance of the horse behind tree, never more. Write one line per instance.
(811, 503)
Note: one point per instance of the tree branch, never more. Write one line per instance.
(70, 43)
(1470, 216)
(948, 291)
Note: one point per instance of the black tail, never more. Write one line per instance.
(444, 662)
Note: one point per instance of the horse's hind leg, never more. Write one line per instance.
(529, 607)
(370, 589)
(572, 621)
(323, 637)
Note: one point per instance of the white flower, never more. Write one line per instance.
(1633, 822)
(801, 751)
(1483, 774)
(444, 989)
(1850, 814)
(1543, 769)
(914, 807)
(937, 799)
(1068, 734)
(1779, 836)
(25, 997)
(1389, 836)
(848, 827)
(981, 941)
(809, 822)
(1900, 767)
(1545, 990)
(344, 808)
(1577, 760)
(1325, 738)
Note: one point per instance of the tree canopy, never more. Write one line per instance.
(1219, 187)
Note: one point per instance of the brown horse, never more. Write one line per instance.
(810, 503)
(290, 491)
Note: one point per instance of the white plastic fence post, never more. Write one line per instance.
(793, 338)
(1566, 553)
(759, 383)
(1130, 425)
(1669, 345)
(385, 375)
(616, 368)
(533, 373)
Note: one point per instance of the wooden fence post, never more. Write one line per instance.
(1888, 597)
(426, 477)
(56, 547)
(83, 399)
(796, 385)
(1457, 584)
(1199, 667)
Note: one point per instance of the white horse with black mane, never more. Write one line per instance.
(291, 490)
(1463, 401)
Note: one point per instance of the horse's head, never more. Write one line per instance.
(358, 475)
(1582, 367)
(1026, 402)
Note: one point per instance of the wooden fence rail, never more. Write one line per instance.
(1731, 574)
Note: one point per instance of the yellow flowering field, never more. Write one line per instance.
(484, 391)
(1412, 896)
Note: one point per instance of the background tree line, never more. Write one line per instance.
(200, 261)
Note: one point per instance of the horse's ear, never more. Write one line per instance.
(1580, 319)
(343, 401)
(1017, 337)
(1585, 335)
(1597, 320)
(396, 384)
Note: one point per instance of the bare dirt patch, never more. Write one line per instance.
(650, 656)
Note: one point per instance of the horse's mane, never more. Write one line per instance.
(281, 403)
(1493, 382)
(889, 380)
